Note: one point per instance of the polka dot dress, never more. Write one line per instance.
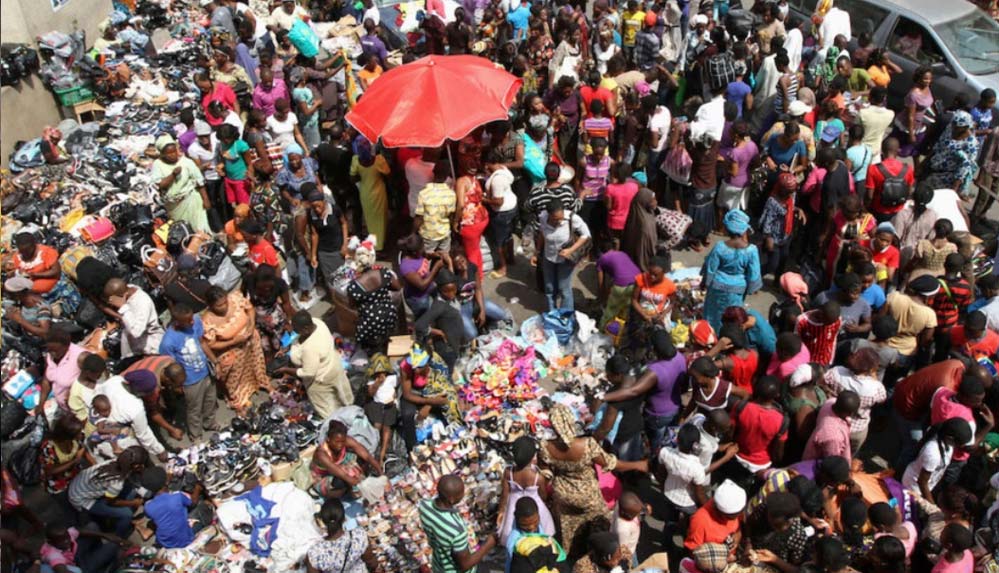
(376, 314)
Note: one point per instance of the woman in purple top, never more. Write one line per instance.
(418, 273)
(565, 103)
(910, 125)
(738, 160)
(616, 274)
(659, 385)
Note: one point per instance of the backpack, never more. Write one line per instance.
(721, 70)
(895, 190)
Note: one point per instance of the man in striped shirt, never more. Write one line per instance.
(447, 532)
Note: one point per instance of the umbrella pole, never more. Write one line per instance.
(451, 161)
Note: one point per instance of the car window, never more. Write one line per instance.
(864, 16)
(974, 40)
(910, 40)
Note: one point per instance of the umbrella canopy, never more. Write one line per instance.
(433, 99)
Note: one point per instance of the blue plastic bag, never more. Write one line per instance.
(304, 39)
(561, 322)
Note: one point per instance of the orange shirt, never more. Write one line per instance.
(263, 253)
(45, 258)
(371, 76)
(657, 295)
(233, 232)
(707, 525)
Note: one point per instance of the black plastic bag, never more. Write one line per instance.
(12, 415)
(25, 465)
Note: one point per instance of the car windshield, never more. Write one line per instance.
(974, 41)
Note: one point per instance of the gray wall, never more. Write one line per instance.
(28, 107)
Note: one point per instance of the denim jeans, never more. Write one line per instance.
(558, 281)
(494, 313)
(630, 449)
(418, 305)
(655, 429)
(302, 272)
(122, 516)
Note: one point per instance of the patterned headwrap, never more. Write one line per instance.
(379, 364)
(563, 423)
(418, 357)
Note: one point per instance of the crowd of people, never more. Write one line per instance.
(848, 427)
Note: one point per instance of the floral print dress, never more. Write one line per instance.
(578, 503)
(242, 368)
(52, 455)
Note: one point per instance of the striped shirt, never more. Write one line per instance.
(954, 295)
(86, 488)
(157, 364)
(447, 534)
(820, 339)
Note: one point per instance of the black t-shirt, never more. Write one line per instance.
(188, 291)
(328, 229)
(835, 185)
(250, 283)
(631, 419)
(334, 163)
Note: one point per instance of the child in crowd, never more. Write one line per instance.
(628, 514)
(105, 435)
(381, 409)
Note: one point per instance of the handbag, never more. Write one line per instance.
(158, 264)
(584, 249)
(98, 230)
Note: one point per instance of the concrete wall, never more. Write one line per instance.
(28, 107)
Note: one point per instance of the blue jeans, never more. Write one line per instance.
(655, 429)
(302, 271)
(558, 281)
(630, 449)
(418, 305)
(122, 516)
(494, 313)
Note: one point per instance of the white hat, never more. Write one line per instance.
(798, 107)
(801, 375)
(729, 498)
(202, 128)
(205, 3)
(700, 20)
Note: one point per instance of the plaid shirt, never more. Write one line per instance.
(871, 392)
(647, 47)
(954, 295)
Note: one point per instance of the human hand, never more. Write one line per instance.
(344, 252)
(565, 253)
(314, 262)
(725, 343)
(162, 457)
(175, 433)
(15, 315)
(765, 555)
(534, 261)
(987, 416)
(176, 171)
(480, 319)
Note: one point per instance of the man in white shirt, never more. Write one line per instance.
(419, 173)
(835, 23)
(283, 17)
(140, 323)
(125, 394)
(947, 205)
(686, 480)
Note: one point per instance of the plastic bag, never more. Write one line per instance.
(372, 489)
(533, 333)
(304, 39)
(26, 466)
(12, 416)
(561, 323)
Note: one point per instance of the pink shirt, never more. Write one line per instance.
(436, 7)
(53, 556)
(944, 407)
(63, 374)
(784, 369)
(264, 99)
(831, 436)
(619, 195)
(909, 543)
(965, 565)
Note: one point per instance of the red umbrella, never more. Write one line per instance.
(433, 99)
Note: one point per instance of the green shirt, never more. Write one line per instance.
(447, 534)
(235, 166)
(857, 82)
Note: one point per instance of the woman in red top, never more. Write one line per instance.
(215, 91)
(473, 215)
(737, 363)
